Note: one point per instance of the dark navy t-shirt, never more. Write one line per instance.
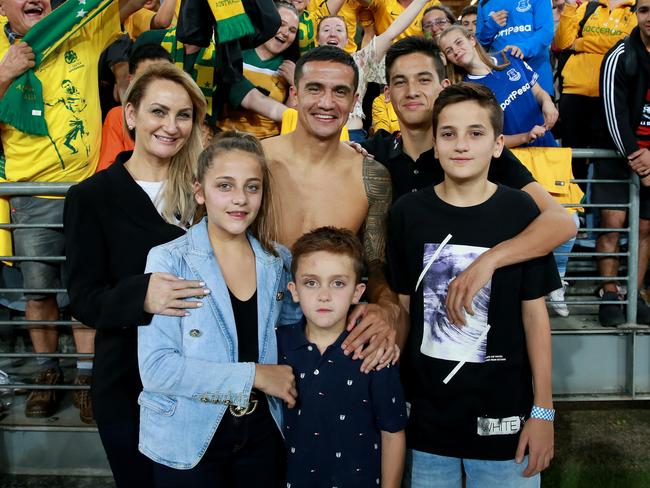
(333, 435)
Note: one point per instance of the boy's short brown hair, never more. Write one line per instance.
(467, 91)
(333, 240)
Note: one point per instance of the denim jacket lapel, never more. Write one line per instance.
(201, 259)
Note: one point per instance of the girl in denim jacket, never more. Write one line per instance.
(211, 405)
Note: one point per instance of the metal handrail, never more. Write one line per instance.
(33, 258)
(34, 188)
(60, 189)
(31, 226)
(34, 386)
(38, 322)
(595, 153)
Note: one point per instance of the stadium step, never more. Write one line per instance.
(60, 444)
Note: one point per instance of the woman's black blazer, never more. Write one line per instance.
(110, 226)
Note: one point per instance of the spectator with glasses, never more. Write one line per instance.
(436, 19)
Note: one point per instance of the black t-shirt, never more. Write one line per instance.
(245, 314)
(409, 176)
(492, 392)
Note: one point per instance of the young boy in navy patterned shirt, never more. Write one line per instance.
(346, 429)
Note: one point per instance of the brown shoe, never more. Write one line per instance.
(81, 380)
(81, 399)
(43, 403)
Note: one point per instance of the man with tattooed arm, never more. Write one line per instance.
(320, 181)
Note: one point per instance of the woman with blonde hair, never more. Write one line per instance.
(112, 220)
(529, 112)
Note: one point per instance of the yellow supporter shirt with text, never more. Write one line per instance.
(386, 11)
(71, 95)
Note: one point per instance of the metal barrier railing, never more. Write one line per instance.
(632, 253)
(59, 189)
(40, 189)
(630, 382)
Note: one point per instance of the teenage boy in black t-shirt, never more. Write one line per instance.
(480, 393)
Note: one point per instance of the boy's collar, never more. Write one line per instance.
(298, 339)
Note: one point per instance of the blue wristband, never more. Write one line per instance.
(540, 413)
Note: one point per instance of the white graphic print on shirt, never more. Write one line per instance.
(442, 339)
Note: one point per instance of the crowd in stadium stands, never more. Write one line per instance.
(420, 145)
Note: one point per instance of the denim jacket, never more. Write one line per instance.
(188, 365)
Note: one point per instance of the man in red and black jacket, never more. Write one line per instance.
(625, 92)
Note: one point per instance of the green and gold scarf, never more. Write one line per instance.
(204, 66)
(232, 21)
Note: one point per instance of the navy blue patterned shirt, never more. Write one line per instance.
(333, 435)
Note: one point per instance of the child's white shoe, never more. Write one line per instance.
(556, 301)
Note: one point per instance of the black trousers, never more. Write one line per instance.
(244, 452)
(131, 468)
(583, 125)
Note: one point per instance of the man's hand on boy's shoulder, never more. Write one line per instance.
(383, 357)
(372, 336)
(538, 436)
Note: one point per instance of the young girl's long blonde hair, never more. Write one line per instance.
(457, 73)
(178, 196)
(264, 227)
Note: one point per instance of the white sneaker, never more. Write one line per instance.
(556, 298)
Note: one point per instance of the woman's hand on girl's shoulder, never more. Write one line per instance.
(166, 295)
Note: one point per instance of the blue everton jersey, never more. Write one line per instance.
(529, 27)
(513, 88)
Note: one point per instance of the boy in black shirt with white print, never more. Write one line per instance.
(471, 387)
